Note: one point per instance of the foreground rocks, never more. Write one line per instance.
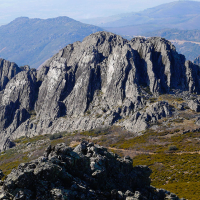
(86, 172)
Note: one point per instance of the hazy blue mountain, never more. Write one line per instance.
(32, 41)
(178, 14)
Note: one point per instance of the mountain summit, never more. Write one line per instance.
(101, 81)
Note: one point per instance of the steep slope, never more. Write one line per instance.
(101, 81)
(33, 41)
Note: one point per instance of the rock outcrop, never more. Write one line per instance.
(86, 172)
(194, 105)
(7, 71)
(98, 82)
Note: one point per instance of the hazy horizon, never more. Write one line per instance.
(11, 9)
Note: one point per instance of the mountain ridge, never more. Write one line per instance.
(102, 81)
(179, 14)
(32, 41)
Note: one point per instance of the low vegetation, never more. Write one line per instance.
(95, 132)
(174, 172)
(172, 156)
(57, 135)
(160, 142)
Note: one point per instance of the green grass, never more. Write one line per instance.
(95, 132)
(159, 142)
(153, 100)
(58, 135)
(176, 173)
(25, 140)
(11, 159)
(189, 190)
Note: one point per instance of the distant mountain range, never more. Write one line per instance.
(176, 34)
(32, 41)
(179, 14)
(176, 21)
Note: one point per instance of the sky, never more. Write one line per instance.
(76, 9)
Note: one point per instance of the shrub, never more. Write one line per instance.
(179, 99)
(153, 100)
(172, 148)
(98, 115)
(88, 112)
(96, 132)
(56, 136)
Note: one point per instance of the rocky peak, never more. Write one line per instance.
(7, 71)
(101, 81)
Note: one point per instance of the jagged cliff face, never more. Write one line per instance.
(7, 71)
(95, 83)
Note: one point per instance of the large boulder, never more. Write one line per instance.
(194, 105)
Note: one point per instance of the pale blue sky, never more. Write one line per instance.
(76, 9)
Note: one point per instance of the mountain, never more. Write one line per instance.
(137, 98)
(179, 14)
(102, 81)
(33, 41)
(177, 34)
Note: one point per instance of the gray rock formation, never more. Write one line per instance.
(7, 71)
(140, 120)
(101, 81)
(17, 99)
(194, 105)
(86, 172)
